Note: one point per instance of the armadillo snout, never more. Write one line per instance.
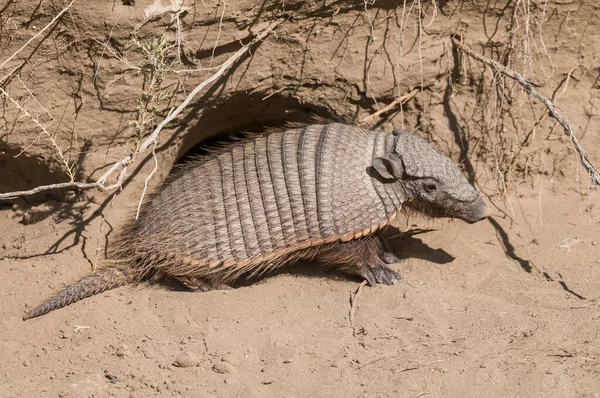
(475, 211)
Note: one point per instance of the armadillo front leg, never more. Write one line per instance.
(390, 258)
(364, 257)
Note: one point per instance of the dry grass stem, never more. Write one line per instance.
(224, 5)
(137, 214)
(417, 367)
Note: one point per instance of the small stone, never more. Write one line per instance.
(224, 368)
(186, 360)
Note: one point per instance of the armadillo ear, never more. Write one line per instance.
(398, 132)
(387, 169)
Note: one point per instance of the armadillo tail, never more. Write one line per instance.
(98, 282)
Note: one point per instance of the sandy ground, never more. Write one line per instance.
(486, 309)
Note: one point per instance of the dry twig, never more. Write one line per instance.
(529, 87)
(416, 367)
(154, 170)
(122, 164)
(353, 299)
(398, 101)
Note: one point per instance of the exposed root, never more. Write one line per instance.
(530, 88)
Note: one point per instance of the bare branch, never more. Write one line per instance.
(73, 184)
(402, 100)
(529, 87)
(122, 164)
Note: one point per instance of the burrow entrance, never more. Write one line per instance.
(243, 114)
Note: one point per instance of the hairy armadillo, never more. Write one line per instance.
(319, 192)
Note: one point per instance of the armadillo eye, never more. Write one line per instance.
(430, 187)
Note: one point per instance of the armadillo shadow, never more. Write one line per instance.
(403, 246)
(406, 246)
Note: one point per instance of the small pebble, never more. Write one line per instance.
(224, 368)
(186, 360)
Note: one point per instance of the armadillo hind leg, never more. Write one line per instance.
(98, 282)
(364, 257)
(198, 284)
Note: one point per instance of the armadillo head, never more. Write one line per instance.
(430, 181)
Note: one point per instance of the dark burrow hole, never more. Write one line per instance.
(242, 115)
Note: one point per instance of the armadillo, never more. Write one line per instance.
(320, 192)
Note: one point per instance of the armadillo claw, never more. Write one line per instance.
(381, 275)
(370, 277)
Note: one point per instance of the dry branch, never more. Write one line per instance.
(402, 100)
(122, 164)
(529, 87)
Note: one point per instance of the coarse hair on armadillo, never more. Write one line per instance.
(320, 191)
